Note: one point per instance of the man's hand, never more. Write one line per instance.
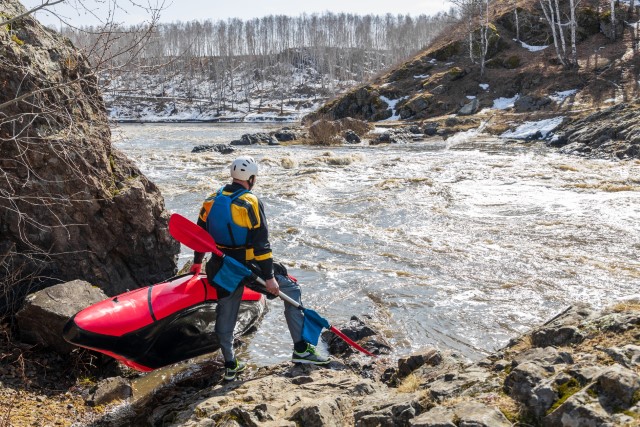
(272, 286)
(195, 269)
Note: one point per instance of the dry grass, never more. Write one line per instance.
(409, 384)
(626, 307)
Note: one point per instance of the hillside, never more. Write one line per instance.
(523, 80)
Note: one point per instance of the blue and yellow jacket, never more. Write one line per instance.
(247, 220)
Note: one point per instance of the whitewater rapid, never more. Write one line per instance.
(458, 245)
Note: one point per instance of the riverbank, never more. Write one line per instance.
(582, 367)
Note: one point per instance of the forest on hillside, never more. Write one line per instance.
(234, 64)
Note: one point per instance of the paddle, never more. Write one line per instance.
(198, 239)
(231, 272)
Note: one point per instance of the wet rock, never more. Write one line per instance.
(393, 136)
(44, 314)
(470, 108)
(218, 148)
(430, 129)
(611, 133)
(358, 331)
(255, 138)
(351, 137)
(110, 389)
(285, 135)
(620, 385)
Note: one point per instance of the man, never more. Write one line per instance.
(235, 219)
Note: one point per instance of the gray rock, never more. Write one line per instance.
(628, 355)
(470, 108)
(285, 135)
(526, 384)
(44, 314)
(92, 214)
(410, 363)
(474, 414)
(530, 103)
(437, 417)
(351, 137)
(620, 384)
(611, 133)
(556, 336)
(218, 148)
(358, 331)
(109, 390)
(324, 413)
(430, 129)
(580, 410)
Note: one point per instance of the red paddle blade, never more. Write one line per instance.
(192, 235)
(348, 340)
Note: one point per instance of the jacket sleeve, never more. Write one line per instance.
(261, 246)
(199, 256)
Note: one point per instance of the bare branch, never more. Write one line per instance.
(46, 4)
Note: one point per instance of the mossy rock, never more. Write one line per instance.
(446, 52)
(494, 63)
(512, 62)
(588, 21)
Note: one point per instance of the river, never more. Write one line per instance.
(458, 245)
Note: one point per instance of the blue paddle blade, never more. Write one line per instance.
(231, 274)
(312, 326)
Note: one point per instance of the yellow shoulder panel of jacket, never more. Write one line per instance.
(245, 211)
(206, 207)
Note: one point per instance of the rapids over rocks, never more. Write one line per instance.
(459, 245)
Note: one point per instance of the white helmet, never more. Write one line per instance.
(244, 168)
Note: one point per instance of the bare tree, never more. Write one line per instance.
(553, 14)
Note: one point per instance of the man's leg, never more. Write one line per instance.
(292, 314)
(226, 317)
(303, 352)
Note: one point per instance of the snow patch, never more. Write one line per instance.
(421, 76)
(471, 97)
(484, 86)
(561, 96)
(529, 130)
(392, 106)
(504, 103)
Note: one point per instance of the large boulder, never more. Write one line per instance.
(44, 314)
(71, 204)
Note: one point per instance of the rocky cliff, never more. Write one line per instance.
(71, 205)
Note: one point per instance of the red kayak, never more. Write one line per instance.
(161, 324)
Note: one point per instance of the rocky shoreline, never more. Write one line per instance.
(581, 368)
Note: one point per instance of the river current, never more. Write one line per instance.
(459, 244)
